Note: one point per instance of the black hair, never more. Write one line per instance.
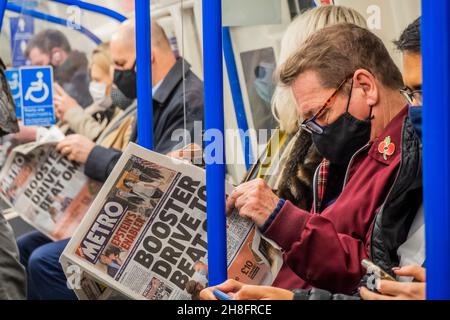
(410, 39)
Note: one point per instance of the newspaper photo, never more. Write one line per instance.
(48, 191)
(145, 234)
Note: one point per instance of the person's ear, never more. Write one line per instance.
(367, 83)
(55, 56)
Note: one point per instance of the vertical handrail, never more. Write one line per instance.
(144, 74)
(236, 93)
(436, 145)
(214, 122)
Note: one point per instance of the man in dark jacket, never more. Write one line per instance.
(38, 253)
(70, 67)
(168, 116)
(177, 101)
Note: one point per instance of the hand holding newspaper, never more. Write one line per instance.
(48, 191)
(144, 236)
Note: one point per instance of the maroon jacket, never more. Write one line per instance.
(325, 250)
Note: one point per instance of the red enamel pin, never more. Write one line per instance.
(386, 148)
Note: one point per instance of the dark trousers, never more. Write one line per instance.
(40, 256)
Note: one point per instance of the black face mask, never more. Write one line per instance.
(341, 139)
(125, 80)
(119, 99)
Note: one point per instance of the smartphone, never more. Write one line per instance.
(373, 268)
(222, 296)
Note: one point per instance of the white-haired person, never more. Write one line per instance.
(294, 159)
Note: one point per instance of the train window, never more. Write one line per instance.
(258, 67)
(298, 6)
(84, 29)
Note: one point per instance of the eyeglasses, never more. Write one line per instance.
(414, 97)
(310, 125)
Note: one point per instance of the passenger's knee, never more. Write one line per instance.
(23, 244)
(29, 243)
(38, 262)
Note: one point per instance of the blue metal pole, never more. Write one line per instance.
(46, 17)
(2, 11)
(214, 120)
(436, 145)
(93, 8)
(236, 94)
(144, 74)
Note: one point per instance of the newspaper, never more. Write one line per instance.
(48, 191)
(145, 234)
(90, 288)
(6, 146)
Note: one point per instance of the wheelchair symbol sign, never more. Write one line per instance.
(37, 96)
(13, 77)
(36, 85)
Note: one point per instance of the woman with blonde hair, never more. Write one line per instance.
(289, 164)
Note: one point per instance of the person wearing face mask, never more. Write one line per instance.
(51, 47)
(411, 253)
(354, 112)
(390, 231)
(40, 256)
(93, 120)
(12, 273)
(176, 106)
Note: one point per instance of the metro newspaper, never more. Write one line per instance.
(48, 191)
(144, 237)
